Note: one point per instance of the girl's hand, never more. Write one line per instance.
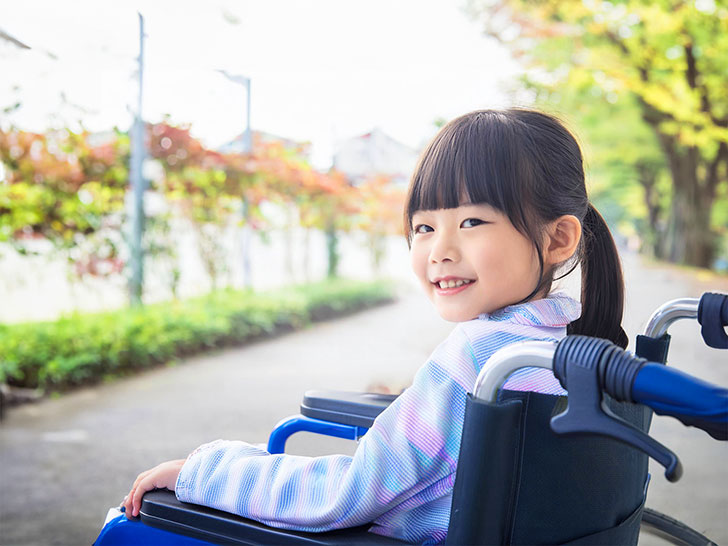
(159, 477)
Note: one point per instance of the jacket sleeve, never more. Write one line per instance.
(410, 453)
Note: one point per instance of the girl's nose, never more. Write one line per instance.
(444, 249)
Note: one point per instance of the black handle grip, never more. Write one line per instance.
(713, 317)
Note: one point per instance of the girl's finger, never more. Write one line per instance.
(129, 501)
(136, 490)
(127, 504)
(144, 486)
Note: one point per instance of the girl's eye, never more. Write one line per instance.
(422, 228)
(472, 222)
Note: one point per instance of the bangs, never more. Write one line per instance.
(475, 159)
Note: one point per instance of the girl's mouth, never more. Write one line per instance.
(449, 287)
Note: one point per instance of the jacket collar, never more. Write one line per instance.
(557, 309)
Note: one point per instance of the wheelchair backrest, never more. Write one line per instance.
(520, 483)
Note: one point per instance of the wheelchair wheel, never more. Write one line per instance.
(672, 530)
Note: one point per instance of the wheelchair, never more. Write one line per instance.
(539, 488)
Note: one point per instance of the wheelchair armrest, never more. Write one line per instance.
(345, 407)
(161, 509)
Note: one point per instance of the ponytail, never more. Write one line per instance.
(602, 283)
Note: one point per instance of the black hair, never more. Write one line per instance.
(527, 165)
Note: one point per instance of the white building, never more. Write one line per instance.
(375, 153)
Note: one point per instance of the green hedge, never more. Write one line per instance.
(83, 348)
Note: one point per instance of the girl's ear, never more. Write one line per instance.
(563, 236)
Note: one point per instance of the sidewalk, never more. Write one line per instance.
(63, 462)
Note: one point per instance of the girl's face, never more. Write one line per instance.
(472, 260)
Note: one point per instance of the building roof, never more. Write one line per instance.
(375, 153)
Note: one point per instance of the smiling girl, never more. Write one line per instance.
(496, 208)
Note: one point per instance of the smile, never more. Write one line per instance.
(452, 283)
(452, 286)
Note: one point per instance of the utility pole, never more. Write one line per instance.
(136, 280)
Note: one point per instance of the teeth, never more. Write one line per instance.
(452, 283)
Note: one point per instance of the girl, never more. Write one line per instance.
(496, 205)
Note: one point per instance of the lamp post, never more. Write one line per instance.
(244, 81)
(247, 148)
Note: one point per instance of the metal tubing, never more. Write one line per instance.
(301, 423)
(533, 354)
(665, 315)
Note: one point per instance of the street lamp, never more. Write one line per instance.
(245, 81)
(247, 148)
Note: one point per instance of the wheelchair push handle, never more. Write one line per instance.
(711, 311)
(713, 318)
(586, 367)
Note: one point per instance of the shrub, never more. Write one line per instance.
(84, 348)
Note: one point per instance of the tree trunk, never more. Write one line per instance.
(693, 242)
(332, 247)
(288, 242)
(647, 177)
(246, 237)
(377, 247)
(307, 254)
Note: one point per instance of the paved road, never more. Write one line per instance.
(64, 461)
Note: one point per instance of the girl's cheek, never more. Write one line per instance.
(414, 263)
(418, 260)
(413, 256)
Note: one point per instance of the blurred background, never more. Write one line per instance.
(272, 138)
(178, 177)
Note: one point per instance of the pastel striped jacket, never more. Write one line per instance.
(401, 476)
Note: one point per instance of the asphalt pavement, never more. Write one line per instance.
(64, 461)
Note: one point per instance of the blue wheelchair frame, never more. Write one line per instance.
(349, 415)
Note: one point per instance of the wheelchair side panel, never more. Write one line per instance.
(121, 531)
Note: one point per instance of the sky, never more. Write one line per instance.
(321, 71)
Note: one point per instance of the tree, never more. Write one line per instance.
(328, 202)
(206, 185)
(63, 189)
(195, 181)
(380, 214)
(68, 189)
(666, 56)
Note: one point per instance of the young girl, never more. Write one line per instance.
(496, 206)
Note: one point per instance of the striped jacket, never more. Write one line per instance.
(401, 476)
